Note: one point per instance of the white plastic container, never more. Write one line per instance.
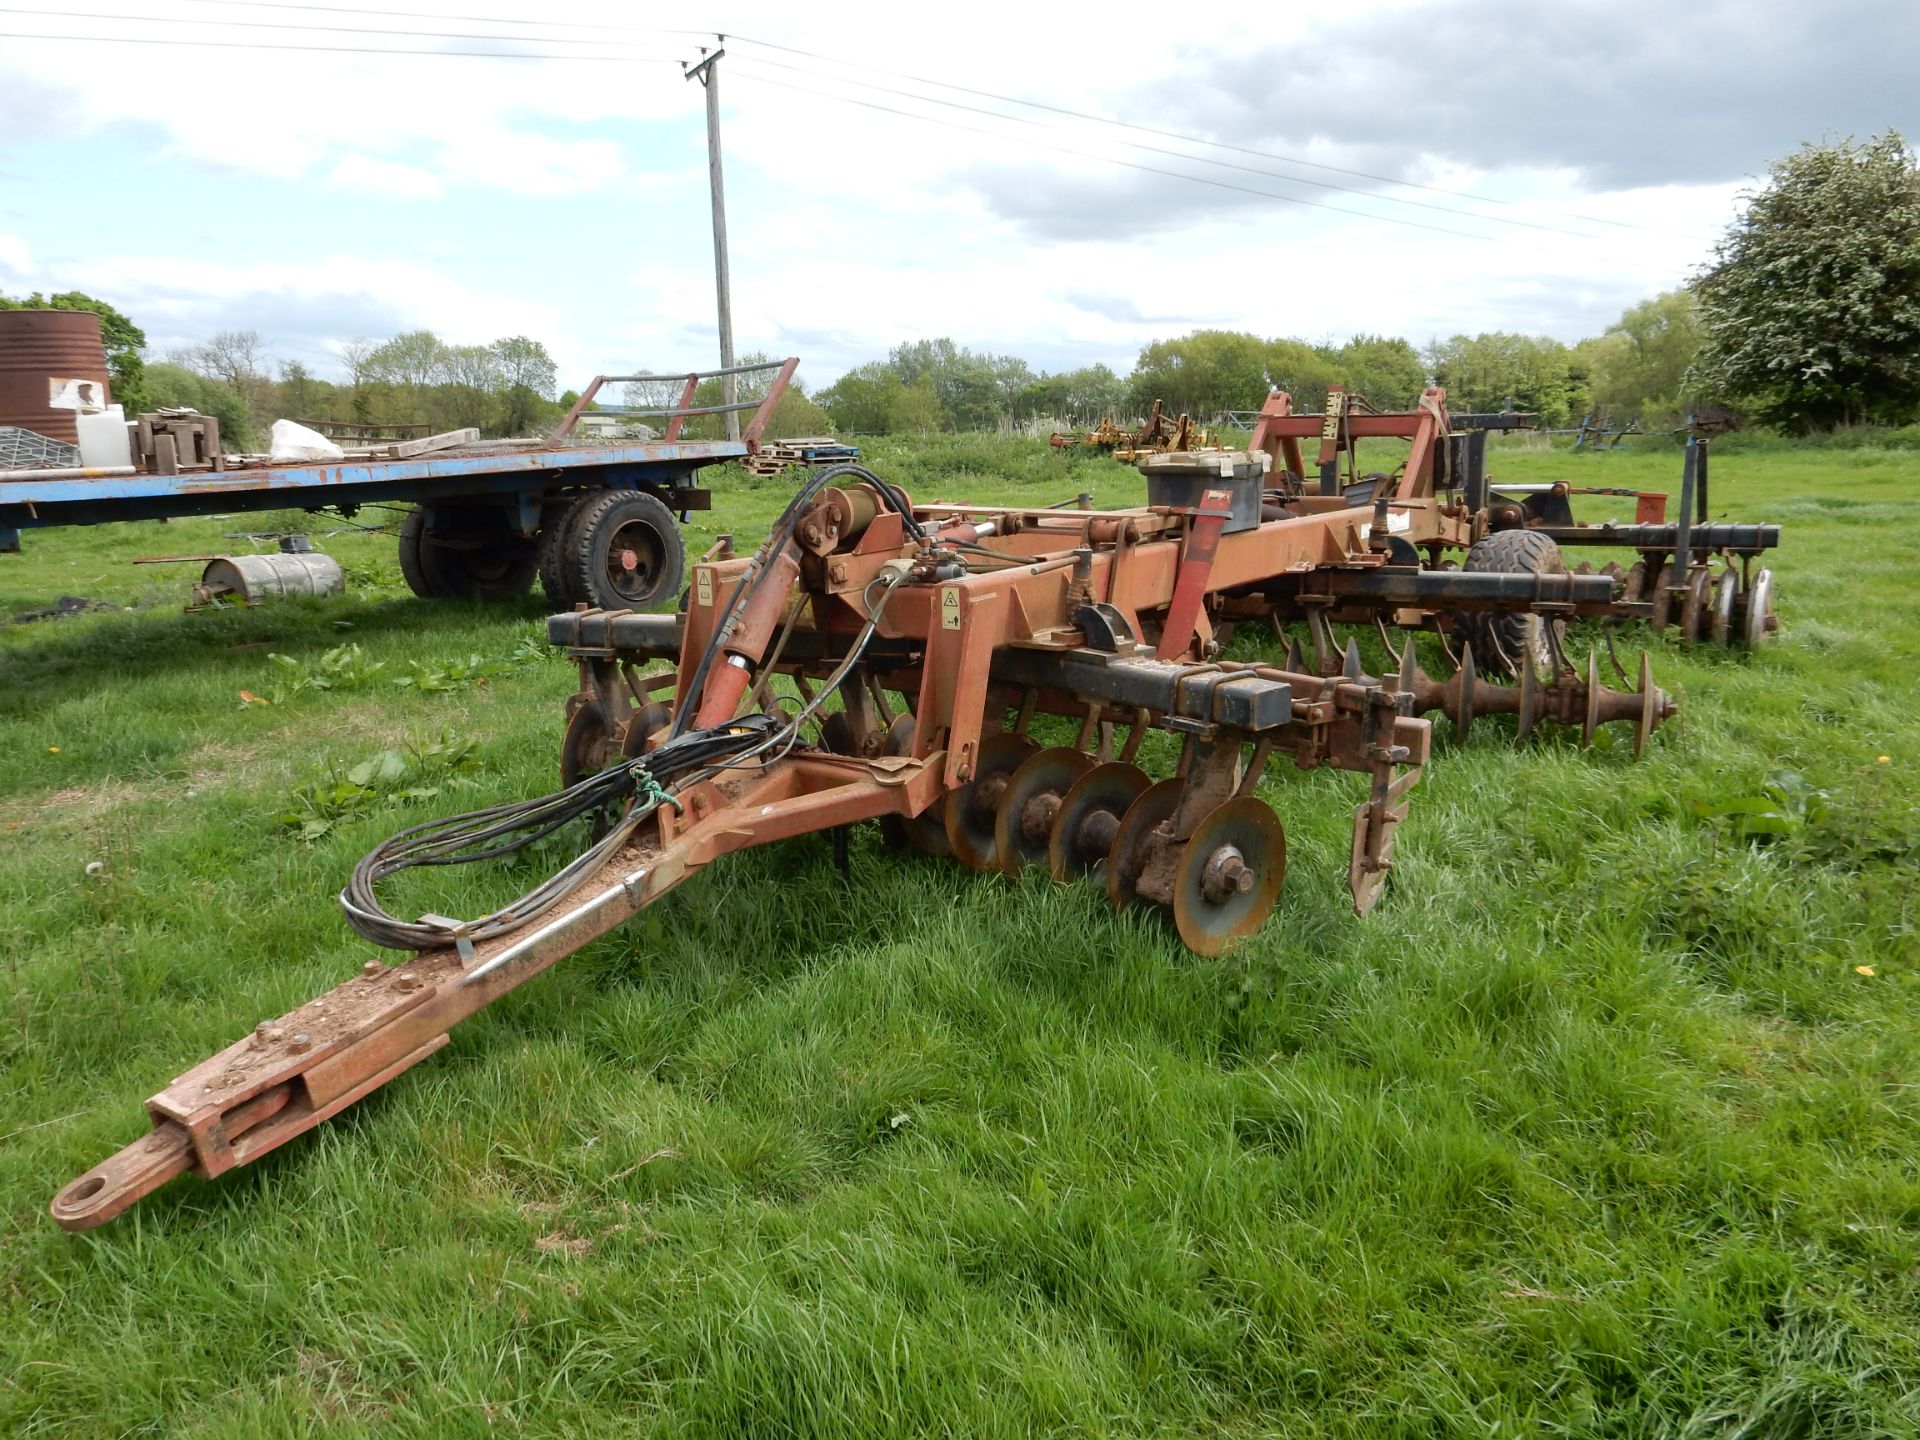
(104, 444)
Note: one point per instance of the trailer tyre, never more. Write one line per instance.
(464, 552)
(411, 568)
(1501, 641)
(621, 550)
(550, 552)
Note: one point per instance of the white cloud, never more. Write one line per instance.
(16, 260)
(532, 164)
(852, 227)
(384, 177)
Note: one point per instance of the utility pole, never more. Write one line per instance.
(707, 72)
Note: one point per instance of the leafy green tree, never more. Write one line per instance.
(967, 392)
(796, 417)
(169, 384)
(915, 410)
(1385, 369)
(861, 402)
(1491, 371)
(526, 380)
(1812, 304)
(413, 360)
(1203, 372)
(914, 360)
(299, 391)
(1638, 368)
(122, 339)
(1013, 378)
(1304, 371)
(1080, 396)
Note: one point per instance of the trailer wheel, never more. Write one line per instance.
(549, 550)
(411, 569)
(1501, 641)
(621, 550)
(464, 552)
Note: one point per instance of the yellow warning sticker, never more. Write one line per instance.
(949, 607)
(703, 587)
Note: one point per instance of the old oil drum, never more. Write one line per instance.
(263, 577)
(51, 362)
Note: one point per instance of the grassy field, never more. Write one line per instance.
(1602, 1124)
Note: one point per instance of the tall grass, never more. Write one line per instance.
(1601, 1125)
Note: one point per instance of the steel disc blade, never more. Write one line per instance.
(1634, 582)
(1090, 813)
(1210, 915)
(585, 745)
(972, 808)
(1592, 722)
(927, 831)
(1649, 707)
(1662, 599)
(1759, 610)
(1466, 680)
(836, 734)
(1023, 825)
(647, 720)
(1726, 605)
(1695, 607)
(900, 735)
(1134, 844)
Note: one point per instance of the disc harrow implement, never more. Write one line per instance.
(1040, 692)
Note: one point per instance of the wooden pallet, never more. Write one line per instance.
(808, 452)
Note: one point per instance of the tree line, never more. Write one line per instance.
(934, 385)
(505, 388)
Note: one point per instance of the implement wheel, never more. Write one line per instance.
(1502, 642)
(619, 550)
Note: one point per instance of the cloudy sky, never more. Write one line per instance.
(1413, 169)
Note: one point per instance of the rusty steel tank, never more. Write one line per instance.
(41, 351)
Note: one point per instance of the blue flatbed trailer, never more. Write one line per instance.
(595, 522)
(347, 484)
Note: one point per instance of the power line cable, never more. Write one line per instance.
(1156, 170)
(433, 15)
(1178, 135)
(925, 99)
(323, 29)
(1088, 117)
(312, 27)
(1196, 159)
(342, 49)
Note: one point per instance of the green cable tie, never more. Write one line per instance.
(651, 791)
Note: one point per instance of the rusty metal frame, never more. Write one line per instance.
(677, 414)
(983, 615)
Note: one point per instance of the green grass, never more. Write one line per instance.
(1594, 1127)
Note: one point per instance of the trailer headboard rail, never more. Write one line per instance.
(677, 413)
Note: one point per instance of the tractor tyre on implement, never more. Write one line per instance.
(619, 550)
(1501, 642)
(464, 552)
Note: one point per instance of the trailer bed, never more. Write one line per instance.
(346, 484)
